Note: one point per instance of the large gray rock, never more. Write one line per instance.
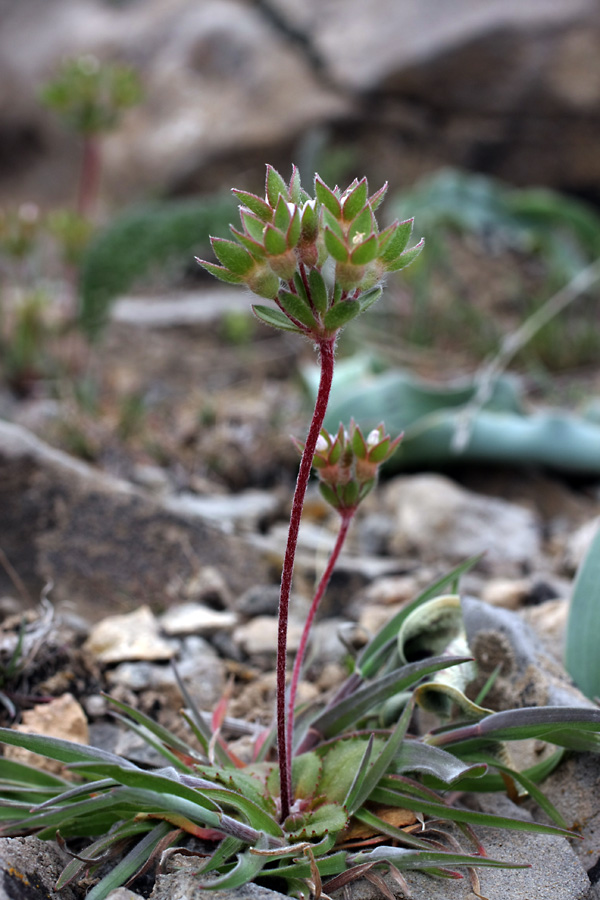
(104, 544)
(484, 85)
(439, 520)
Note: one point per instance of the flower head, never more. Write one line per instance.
(347, 464)
(287, 236)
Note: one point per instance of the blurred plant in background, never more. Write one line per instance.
(90, 96)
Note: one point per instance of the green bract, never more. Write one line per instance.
(294, 235)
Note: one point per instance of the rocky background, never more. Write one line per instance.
(161, 537)
(505, 87)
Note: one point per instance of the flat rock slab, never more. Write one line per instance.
(104, 544)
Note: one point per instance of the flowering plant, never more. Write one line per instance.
(342, 788)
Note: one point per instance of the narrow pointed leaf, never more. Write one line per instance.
(220, 272)
(425, 859)
(583, 626)
(339, 315)
(275, 187)
(231, 255)
(255, 204)
(318, 291)
(253, 247)
(365, 252)
(275, 318)
(247, 867)
(297, 308)
(377, 197)
(275, 243)
(574, 728)
(56, 748)
(327, 198)
(283, 216)
(293, 233)
(335, 247)
(295, 186)
(355, 201)
(415, 756)
(369, 298)
(130, 864)
(346, 712)
(406, 258)
(363, 226)
(452, 814)
(398, 240)
(383, 762)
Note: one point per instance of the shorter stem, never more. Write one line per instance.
(89, 178)
(347, 516)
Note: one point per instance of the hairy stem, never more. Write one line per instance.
(347, 517)
(326, 359)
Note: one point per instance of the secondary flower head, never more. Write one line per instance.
(285, 240)
(347, 464)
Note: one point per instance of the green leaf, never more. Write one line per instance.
(338, 315)
(295, 186)
(355, 201)
(67, 752)
(253, 225)
(163, 734)
(574, 728)
(440, 810)
(220, 272)
(335, 247)
(131, 863)
(255, 249)
(415, 756)
(365, 252)
(283, 216)
(394, 240)
(247, 867)
(377, 197)
(582, 658)
(426, 859)
(340, 715)
(255, 204)
(363, 225)
(293, 233)
(276, 187)
(360, 793)
(275, 243)
(406, 258)
(318, 291)
(231, 255)
(329, 818)
(369, 298)
(275, 318)
(99, 848)
(297, 308)
(327, 198)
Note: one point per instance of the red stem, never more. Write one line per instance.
(347, 516)
(89, 177)
(326, 358)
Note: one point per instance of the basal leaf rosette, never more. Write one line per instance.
(320, 259)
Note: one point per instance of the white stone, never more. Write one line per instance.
(134, 636)
(194, 618)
